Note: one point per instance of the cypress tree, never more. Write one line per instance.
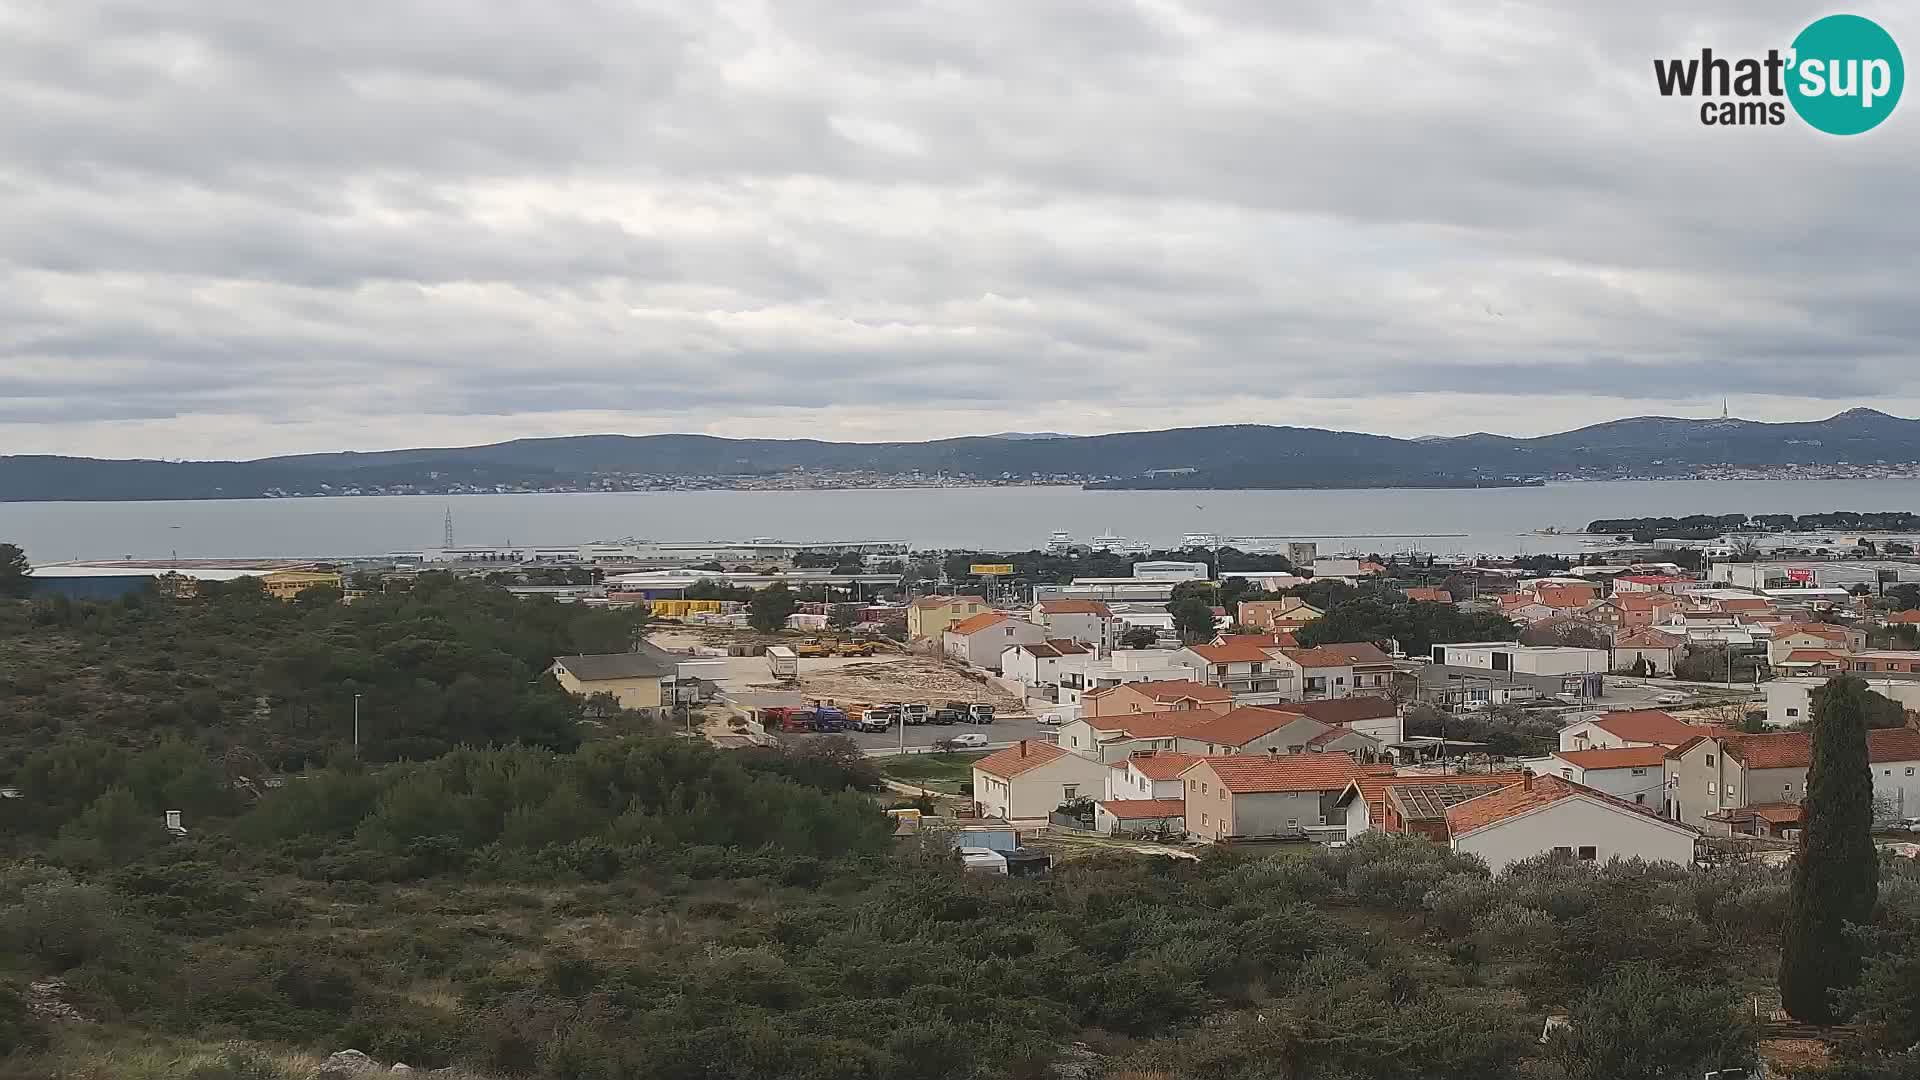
(1836, 874)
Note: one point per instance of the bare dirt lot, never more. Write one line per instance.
(886, 677)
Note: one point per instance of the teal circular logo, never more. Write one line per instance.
(1846, 75)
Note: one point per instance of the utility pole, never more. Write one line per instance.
(356, 725)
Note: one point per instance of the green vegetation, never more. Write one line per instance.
(770, 608)
(648, 908)
(1417, 626)
(941, 772)
(1836, 876)
(1707, 526)
(15, 571)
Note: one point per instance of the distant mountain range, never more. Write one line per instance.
(1237, 456)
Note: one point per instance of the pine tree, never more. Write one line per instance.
(1836, 875)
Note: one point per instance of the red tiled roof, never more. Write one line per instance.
(1646, 637)
(1431, 596)
(1635, 757)
(1230, 654)
(1649, 726)
(1151, 725)
(1794, 749)
(1645, 600)
(1344, 654)
(1263, 641)
(1242, 726)
(1531, 794)
(1756, 603)
(1566, 596)
(1171, 690)
(1024, 756)
(1262, 773)
(1075, 607)
(1335, 734)
(1900, 617)
(1820, 630)
(1139, 809)
(1772, 813)
(977, 623)
(1814, 656)
(1374, 788)
(1159, 764)
(1344, 710)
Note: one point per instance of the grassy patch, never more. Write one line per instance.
(941, 772)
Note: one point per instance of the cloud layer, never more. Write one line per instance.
(239, 227)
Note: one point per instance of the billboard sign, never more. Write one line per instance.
(1801, 575)
(993, 569)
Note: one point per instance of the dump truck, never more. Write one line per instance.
(856, 648)
(783, 663)
(815, 647)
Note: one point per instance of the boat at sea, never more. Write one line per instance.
(1059, 541)
(1200, 540)
(1119, 545)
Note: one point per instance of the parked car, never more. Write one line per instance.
(1052, 719)
(980, 714)
(947, 717)
(1670, 699)
(1911, 824)
(970, 739)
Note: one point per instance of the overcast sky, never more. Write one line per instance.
(232, 228)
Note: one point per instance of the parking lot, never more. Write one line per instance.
(921, 737)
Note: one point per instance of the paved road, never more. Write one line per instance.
(1000, 733)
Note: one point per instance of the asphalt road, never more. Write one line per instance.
(999, 733)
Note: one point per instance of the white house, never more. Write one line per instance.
(1637, 774)
(1635, 727)
(1790, 700)
(1030, 779)
(1549, 814)
(980, 641)
(1123, 666)
(1090, 622)
(1043, 663)
(1169, 570)
(1148, 774)
(1522, 659)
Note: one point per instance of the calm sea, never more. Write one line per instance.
(1496, 521)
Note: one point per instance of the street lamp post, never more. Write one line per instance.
(356, 725)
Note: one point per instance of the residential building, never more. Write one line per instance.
(1148, 774)
(1428, 595)
(981, 640)
(1140, 817)
(1637, 774)
(930, 616)
(1511, 656)
(1109, 739)
(1411, 804)
(1090, 622)
(1376, 717)
(1170, 570)
(1255, 730)
(1169, 695)
(1659, 649)
(288, 584)
(1333, 671)
(1287, 614)
(1727, 770)
(1871, 661)
(1630, 727)
(1790, 698)
(1814, 662)
(635, 679)
(1242, 669)
(1652, 583)
(1327, 567)
(1824, 637)
(1122, 666)
(1901, 618)
(1031, 779)
(1244, 797)
(1269, 640)
(1552, 815)
(1043, 663)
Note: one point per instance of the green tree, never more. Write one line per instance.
(15, 572)
(1651, 1023)
(769, 609)
(1192, 619)
(1139, 637)
(843, 616)
(114, 830)
(1836, 874)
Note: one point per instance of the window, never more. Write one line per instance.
(1639, 772)
(1640, 799)
(1568, 773)
(1203, 788)
(1589, 853)
(1712, 789)
(1730, 791)
(1340, 680)
(1909, 770)
(1793, 712)
(1071, 790)
(1563, 851)
(1709, 761)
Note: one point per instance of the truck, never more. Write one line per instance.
(914, 713)
(814, 648)
(856, 648)
(783, 663)
(782, 718)
(980, 713)
(829, 719)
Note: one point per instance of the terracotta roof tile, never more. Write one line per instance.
(1344, 654)
(977, 623)
(1263, 641)
(1145, 809)
(1649, 726)
(1024, 756)
(1261, 773)
(1151, 725)
(1075, 607)
(1243, 725)
(1814, 656)
(1625, 757)
(1794, 749)
(1531, 794)
(1374, 789)
(1900, 617)
(1430, 596)
(1159, 764)
(1344, 710)
(1165, 690)
(1646, 637)
(1230, 654)
(1056, 647)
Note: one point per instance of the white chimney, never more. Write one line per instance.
(173, 822)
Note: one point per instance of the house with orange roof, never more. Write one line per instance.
(1414, 804)
(1869, 662)
(1901, 618)
(1030, 779)
(1241, 667)
(1336, 671)
(980, 641)
(1824, 637)
(1659, 649)
(1624, 610)
(1551, 815)
(1090, 622)
(1637, 774)
(1287, 614)
(1045, 663)
(1632, 727)
(1426, 595)
(1276, 730)
(1154, 696)
(1730, 770)
(1148, 774)
(1251, 796)
(1140, 817)
(1269, 640)
(1652, 583)
(1812, 662)
(929, 616)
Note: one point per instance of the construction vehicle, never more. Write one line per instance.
(856, 648)
(980, 713)
(783, 718)
(829, 719)
(914, 714)
(813, 648)
(948, 717)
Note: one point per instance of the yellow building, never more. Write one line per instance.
(931, 616)
(636, 680)
(287, 584)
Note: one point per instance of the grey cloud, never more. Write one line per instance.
(280, 215)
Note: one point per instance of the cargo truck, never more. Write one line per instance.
(782, 662)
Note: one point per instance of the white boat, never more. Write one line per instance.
(1119, 545)
(1059, 541)
(1200, 540)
